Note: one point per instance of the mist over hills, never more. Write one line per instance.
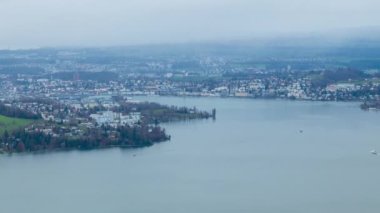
(357, 48)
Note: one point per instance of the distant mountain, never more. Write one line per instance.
(354, 48)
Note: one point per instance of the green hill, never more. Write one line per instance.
(9, 124)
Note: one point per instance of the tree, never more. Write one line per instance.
(6, 135)
(20, 147)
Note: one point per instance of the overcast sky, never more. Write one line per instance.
(36, 23)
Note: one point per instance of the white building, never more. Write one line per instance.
(116, 119)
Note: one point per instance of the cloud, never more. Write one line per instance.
(121, 22)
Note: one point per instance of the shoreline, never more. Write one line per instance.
(249, 98)
(2, 152)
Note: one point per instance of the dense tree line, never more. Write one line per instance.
(15, 70)
(156, 113)
(370, 105)
(102, 137)
(16, 112)
(88, 76)
(37, 100)
(324, 78)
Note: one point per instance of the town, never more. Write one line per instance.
(336, 85)
(30, 124)
(54, 99)
(70, 75)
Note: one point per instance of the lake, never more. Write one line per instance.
(265, 156)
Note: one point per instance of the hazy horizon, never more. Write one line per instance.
(52, 23)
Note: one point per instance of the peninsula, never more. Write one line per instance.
(32, 124)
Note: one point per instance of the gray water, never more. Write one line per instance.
(253, 158)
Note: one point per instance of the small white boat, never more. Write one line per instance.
(374, 152)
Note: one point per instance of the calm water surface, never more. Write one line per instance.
(253, 158)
